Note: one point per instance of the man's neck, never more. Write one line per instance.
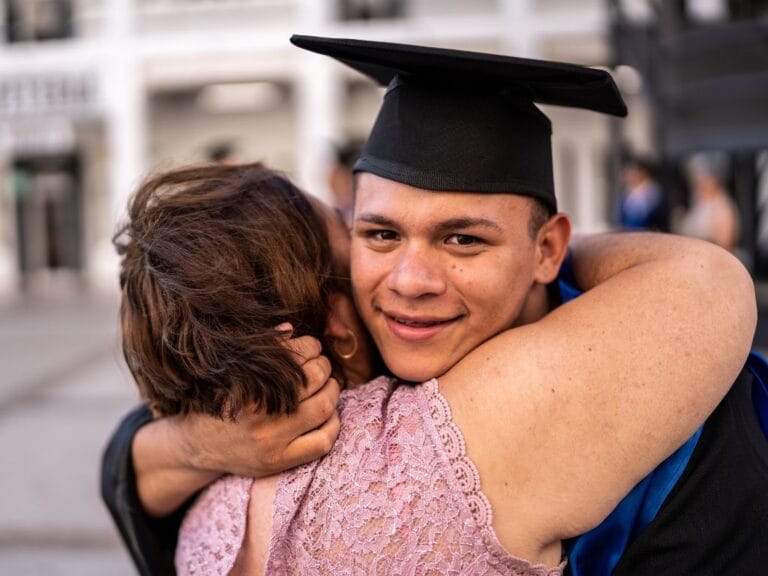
(541, 299)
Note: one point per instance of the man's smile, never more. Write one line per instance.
(417, 328)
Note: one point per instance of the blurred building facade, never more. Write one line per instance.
(95, 93)
(703, 65)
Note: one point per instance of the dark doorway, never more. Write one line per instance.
(49, 213)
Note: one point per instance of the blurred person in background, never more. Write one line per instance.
(712, 215)
(641, 205)
(341, 178)
(223, 152)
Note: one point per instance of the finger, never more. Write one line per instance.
(315, 410)
(317, 371)
(311, 414)
(316, 401)
(304, 348)
(286, 328)
(314, 444)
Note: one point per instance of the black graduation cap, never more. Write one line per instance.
(453, 120)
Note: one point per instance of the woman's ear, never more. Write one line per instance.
(350, 345)
(340, 327)
(551, 247)
(337, 325)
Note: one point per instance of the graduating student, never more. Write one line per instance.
(454, 250)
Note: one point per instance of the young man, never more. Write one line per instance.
(436, 274)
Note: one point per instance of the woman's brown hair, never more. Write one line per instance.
(213, 258)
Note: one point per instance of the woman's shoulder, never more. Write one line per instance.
(398, 476)
(382, 397)
(377, 402)
(382, 385)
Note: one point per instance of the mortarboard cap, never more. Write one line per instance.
(466, 121)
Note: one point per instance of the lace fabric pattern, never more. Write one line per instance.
(212, 532)
(396, 495)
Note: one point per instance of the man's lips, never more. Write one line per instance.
(416, 328)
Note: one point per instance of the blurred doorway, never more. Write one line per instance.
(49, 215)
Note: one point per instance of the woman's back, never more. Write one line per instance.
(396, 495)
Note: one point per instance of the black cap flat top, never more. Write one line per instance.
(459, 121)
(542, 81)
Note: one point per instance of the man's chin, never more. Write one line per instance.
(416, 369)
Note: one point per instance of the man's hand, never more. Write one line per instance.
(260, 445)
(177, 456)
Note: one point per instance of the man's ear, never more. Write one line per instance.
(551, 247)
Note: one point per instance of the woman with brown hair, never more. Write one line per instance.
(217, 261)
(213, 260)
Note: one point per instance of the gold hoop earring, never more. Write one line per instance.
(347, 355)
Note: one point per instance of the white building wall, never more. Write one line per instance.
(181, 134)
(139, 51)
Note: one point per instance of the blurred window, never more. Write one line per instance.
(370, 9)
(38, 20)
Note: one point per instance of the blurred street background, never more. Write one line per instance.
(62, 391)
(96, 93)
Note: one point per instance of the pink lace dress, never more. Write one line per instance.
(396, 495)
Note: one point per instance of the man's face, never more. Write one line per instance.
(437, 273)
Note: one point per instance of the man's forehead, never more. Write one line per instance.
(385, 202)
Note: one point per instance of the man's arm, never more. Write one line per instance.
(610, 383)
(152, 467)
(175, 457)
(150, 541)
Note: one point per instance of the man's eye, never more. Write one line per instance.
(381, 235)
(463, 240)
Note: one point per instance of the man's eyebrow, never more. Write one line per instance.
(377, 219)
(467, 222)
(445, 225)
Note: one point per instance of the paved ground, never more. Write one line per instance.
(62, 389)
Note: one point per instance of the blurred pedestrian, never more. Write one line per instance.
(641, 205)
(713, 215)
(341, 179)
(222, 153)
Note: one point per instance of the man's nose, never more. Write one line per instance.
(416, 274)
